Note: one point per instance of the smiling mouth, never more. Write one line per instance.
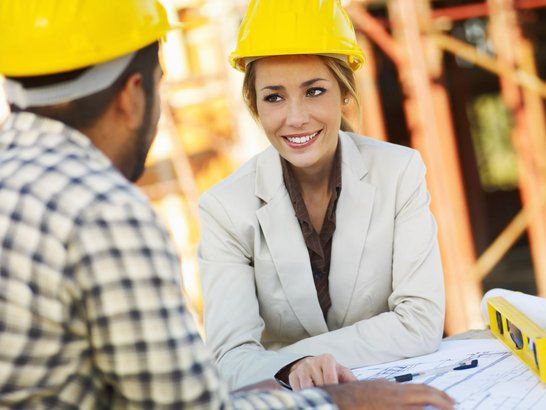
(303, 139)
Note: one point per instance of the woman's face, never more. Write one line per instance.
(299, 106)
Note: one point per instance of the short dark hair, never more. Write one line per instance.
(83, 112)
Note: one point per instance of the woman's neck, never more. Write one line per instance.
(313, 180)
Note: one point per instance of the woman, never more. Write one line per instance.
(320, 253)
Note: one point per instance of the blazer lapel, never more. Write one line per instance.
(286, 244)
(353, 213)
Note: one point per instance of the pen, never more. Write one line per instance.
(438, 370)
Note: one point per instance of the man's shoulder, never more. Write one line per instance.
(60, 168)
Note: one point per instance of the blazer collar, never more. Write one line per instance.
(353, 215)
(287, 247)
(269, 180)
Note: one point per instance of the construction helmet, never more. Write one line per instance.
(40, 37)
(283, 27)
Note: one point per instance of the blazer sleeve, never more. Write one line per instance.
(233, 324)
(413, 324)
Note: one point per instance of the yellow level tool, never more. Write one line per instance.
(521, 335)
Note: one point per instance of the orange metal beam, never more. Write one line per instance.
(506, 239)
(181, 163)
(373, 123)
(528, 133)
(369, 25)
(525, 78)
(480, 9)
(530, 4)
(462, 12)
(432, 134)
(536, 123)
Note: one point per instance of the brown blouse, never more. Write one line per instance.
(319, 245)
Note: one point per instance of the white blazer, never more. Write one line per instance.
(261, 310)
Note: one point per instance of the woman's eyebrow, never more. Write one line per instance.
(272, 87)
(312, 81)
(303, 85)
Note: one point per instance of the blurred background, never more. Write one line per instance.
(459, 80)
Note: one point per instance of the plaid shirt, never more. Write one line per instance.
(91, 314)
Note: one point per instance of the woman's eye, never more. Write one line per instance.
(314, 92)
(272, 98)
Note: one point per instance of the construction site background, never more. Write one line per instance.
(459, 80)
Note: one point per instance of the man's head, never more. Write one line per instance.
(127, 127)
(92, 64)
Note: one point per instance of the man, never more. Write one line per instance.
(91, 315)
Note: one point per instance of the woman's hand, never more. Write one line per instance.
(317, 371)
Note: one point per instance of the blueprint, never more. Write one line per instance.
(499, 382)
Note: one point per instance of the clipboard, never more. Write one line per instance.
(521, 335)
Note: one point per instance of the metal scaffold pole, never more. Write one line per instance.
(529, 131)
(429, 119)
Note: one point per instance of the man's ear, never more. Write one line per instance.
(130, 101)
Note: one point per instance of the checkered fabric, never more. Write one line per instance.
(91, 316)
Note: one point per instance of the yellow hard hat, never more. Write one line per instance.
(282, 27)
(40, 37)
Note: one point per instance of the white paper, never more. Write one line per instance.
(499, 382)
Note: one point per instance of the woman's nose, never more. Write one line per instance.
(297, 115)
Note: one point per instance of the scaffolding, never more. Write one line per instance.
(205, 131)
(414, 35)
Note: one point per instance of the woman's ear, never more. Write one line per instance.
(345, 105)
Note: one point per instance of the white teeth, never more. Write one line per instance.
(302, 140)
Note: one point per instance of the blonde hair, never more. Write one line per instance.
(342, 72)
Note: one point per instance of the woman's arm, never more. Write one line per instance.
(233, 324)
